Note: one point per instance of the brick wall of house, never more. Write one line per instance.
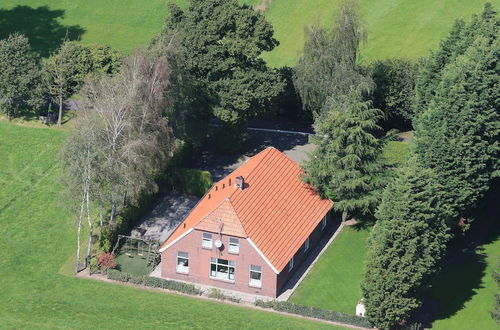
(199, 264)
(299, 257)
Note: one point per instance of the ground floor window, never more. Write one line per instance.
(182, 262)
(306, 245)
(255, 276)
(290, 264)
(222, 269)
(323, 223)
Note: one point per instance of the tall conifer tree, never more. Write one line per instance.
(345, 165)
(404, 247)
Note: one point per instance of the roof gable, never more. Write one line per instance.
(222, 219)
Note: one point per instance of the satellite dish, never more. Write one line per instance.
(218, 243)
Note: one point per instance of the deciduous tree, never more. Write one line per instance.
(65, 71)
(224, 41)
(328, 69)
(19, 76)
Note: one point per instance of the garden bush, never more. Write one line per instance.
(153, 282)
(288, 307)
(218, 294)
(193, 182)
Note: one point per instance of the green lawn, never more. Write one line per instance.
(449, 291)
(396, 28)
(134, 264)
(334, 282)
(37, 236)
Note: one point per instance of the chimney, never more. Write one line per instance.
(240, 182)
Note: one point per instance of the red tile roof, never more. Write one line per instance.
(276, 210)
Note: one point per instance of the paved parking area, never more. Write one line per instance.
(167, 213)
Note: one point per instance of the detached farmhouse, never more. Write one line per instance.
(251, 231)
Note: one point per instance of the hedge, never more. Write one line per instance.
(153, 282)
(289, 307)
(193, 182)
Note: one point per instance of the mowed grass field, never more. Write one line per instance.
(396, 28)
(334, 282)
(37, 236)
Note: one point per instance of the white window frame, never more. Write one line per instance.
(184, 269)
(306, 244)
(323, 223)
(234, 246)
(206, 242)
(290, 264)
(218, 275)
(253, 269)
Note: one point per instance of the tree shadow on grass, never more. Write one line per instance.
(40, 25)
(464, 266)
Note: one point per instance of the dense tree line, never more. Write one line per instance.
(122, 142)
(27, 82)
(454, 158)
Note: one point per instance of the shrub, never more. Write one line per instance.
(218, 294)
(288, 307)
(153, 282)
(116, 275)
(193, 182)
(93, 265)
(394, 92)
(106, 261)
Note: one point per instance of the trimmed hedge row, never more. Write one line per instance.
(153, 282)
(289, 307)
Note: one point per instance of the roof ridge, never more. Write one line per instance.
(268, 149)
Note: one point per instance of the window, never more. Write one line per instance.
(323, 223)
(182, 262)
(306, 244)
(234, 245)
(255, 276)
(290, 264)
(206, 241)
(222, 269)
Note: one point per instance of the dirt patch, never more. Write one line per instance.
(261, 7)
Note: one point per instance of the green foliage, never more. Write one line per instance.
(394, 92)
(345, 166)
(105, 59)
(218, 294)
(327, 69)
(404, 247)
(227, 138)
(153, 282)
(223, 42)
(65, 70)
(458, 135)
(460, 38)
(396, 153)
(289, 307)
(194, 182)
(19, 76)
(288, 104)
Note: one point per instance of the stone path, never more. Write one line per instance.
(167, 213)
